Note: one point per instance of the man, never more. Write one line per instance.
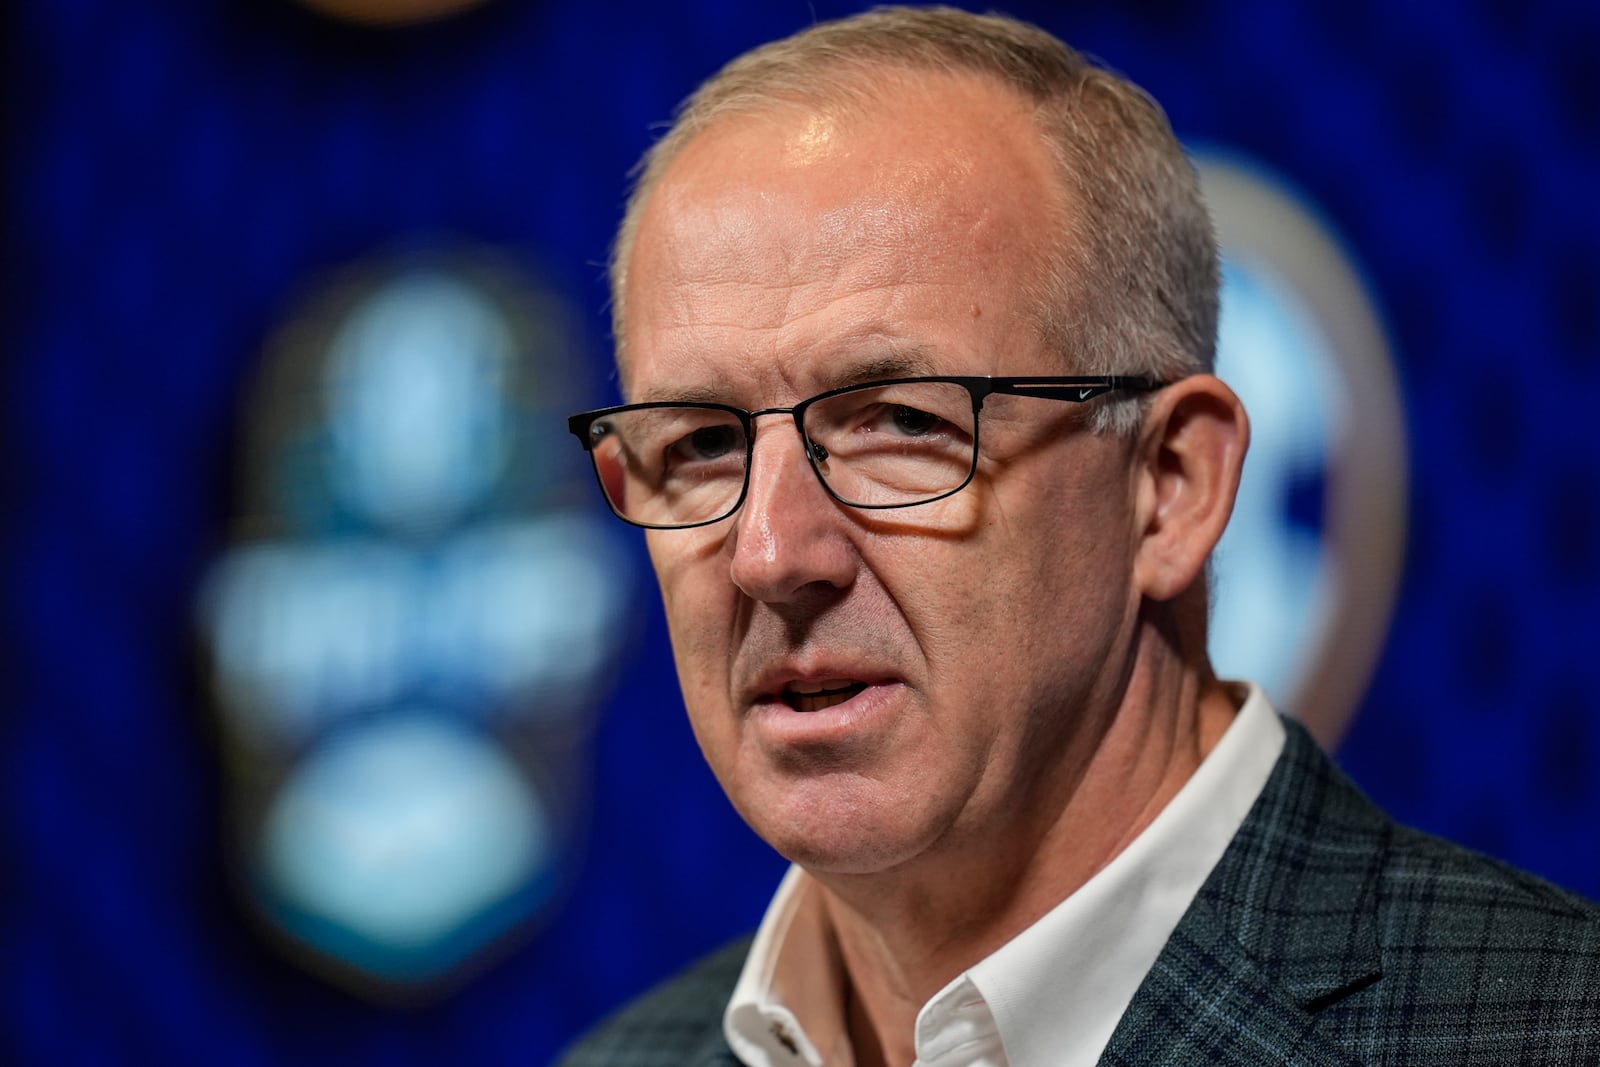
(915, 314)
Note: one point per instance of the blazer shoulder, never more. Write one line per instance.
(1435, 895)
(1448, 922)
(677, 1023)
(1328, 933)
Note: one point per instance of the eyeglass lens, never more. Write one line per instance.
(876, 446)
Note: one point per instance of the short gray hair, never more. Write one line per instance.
(1132, 281)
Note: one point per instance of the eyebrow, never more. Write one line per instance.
(680, 396)
(907, 362)
(911, 362)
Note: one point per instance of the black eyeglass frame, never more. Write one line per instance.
(1072, 389)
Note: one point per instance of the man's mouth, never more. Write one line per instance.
(814, 696)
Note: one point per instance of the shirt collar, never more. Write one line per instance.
(1056, 991)
(793, 973)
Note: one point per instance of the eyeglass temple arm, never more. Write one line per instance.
(1072, 389)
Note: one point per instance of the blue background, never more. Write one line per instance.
(181, 171)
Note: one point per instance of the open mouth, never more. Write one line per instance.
(803, 696)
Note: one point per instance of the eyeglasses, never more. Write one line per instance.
(884, 444)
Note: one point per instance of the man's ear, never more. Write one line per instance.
(1191, 451)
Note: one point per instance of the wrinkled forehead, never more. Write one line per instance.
(937, 178)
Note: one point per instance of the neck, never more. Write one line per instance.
(906, 933)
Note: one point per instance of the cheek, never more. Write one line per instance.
(700, 655)
(1055, 570)
(689, 597)
(686, 563)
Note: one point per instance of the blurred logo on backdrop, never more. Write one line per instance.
(415, 619)
(1308, 570)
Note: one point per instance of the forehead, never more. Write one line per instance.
(892, 232)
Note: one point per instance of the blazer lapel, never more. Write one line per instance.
(1207, 1002)
(1284, 926)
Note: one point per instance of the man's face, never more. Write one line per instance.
(979, 642)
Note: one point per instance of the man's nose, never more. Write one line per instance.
(789, 536)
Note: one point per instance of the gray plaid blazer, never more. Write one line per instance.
(1326, 935)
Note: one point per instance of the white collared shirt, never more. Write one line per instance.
(1051, 996)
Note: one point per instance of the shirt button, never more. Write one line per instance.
(781, 1032)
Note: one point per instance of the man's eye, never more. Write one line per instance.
(913, 422)
(707, 443)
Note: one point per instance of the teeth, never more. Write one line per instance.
(810, 696)
(832, 685)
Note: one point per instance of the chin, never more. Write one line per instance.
(841, 858)
(844, 837)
